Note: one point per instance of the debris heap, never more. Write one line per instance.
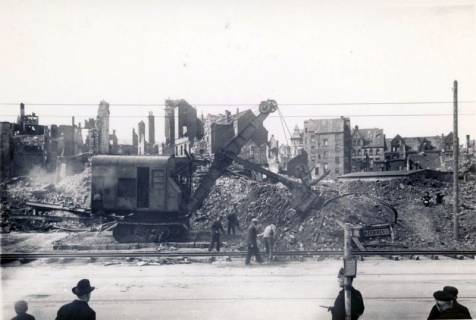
(71, 192)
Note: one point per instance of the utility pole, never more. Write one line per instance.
(347, 278)
(455, 162)
(73, 136)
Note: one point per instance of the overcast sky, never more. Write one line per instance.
(219, 53)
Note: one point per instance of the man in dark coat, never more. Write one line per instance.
(446, 306)
(79, 308)
(217, 227)
(233, 222)
(356, 301)
(452, 291)
(253, 242)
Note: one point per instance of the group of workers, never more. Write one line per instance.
(268, 236)
(427, 198)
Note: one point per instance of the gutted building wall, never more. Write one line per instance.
(102, 124)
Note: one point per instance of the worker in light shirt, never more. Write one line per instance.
(268, 236)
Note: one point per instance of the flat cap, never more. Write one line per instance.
(442, 296)
(452, 291)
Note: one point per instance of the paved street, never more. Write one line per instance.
(391, 289)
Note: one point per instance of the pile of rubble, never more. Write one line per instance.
(71, 192)
(270, 203)
(366, 203)
(420, 226)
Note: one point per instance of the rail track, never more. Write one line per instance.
(457, 254)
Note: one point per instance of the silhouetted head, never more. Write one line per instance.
(83, 290)
(21, 306)
(341, 277)
(444, 300)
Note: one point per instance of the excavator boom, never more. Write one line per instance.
(223, 159)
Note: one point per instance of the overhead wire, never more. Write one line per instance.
(273, 116)
(161, 104)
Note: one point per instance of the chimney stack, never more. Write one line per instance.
(22, 110)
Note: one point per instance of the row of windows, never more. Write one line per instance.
(366, 151)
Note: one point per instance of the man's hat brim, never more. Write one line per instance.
(77, 291)
(442, 296)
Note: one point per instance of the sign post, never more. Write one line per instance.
(348, 269)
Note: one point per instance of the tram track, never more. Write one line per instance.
(309, 253)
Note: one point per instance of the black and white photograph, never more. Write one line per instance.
(205, 159)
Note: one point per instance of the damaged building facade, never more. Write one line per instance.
(182, 127)
(219, 129)
(328, 142)
(412, 153)
(368, 149)
(27, 145)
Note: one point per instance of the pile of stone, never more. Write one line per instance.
(270, 203)
(71, 192)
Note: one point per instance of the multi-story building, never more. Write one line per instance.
(368, 148)
(328, 142)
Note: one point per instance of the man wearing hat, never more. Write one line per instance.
(446, 306)
(79, 308)
(253, 242)
(461, 309)
(356, 301)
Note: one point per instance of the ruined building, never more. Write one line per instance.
(135, 142)
(142, 143)
(328, 142)
(29, 144)
(411, 153)
(113, 143)
(151, 122)
(102, 126)
(219, 129)
(182, 127)
(368, 149)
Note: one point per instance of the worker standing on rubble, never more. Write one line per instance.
(439, 198)
(233, 220)
(356, 303)
(217, 227)
(79, 308)
(426, 199)
(253, 242)
(268, 235)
